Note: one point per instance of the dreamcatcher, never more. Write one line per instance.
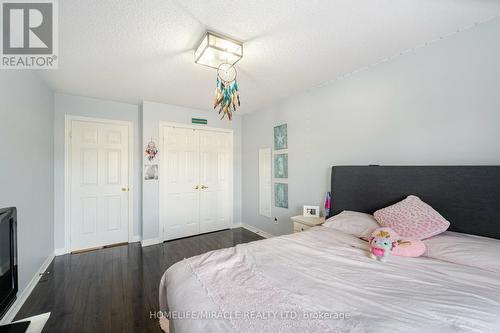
(151, 150)
(227, 96)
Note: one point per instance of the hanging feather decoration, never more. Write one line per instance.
(227, 97)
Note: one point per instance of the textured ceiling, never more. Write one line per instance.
(133, 50)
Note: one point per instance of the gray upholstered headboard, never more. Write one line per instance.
(467, 196)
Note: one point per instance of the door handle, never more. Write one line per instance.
(124, 189)
(196, 187)
(203, 187)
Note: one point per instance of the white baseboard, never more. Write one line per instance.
(257, 230)
(135, 238)
(61, 251)
(150, 241)
(23, 295)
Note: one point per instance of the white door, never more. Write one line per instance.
(99, 159)
(196, 181)
(180, 182)
(216, 199)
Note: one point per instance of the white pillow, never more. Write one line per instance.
(465, 249)
(353, 223)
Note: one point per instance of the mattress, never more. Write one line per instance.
(322, 280)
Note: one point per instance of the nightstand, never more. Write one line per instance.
(301, 223)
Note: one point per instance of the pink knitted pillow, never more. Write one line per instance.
(412, 218)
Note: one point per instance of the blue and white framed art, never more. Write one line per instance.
(281, 195)
(280, 137)
(281, 166)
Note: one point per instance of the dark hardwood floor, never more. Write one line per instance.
(115, 289)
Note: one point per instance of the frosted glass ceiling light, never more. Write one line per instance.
(215, 49)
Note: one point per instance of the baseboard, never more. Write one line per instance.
(23, 296)
(150, 241)
(61, 251)
(236, 225)
(257, 230)
(135, 238)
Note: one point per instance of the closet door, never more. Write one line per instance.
(216, 180)
(179, 181)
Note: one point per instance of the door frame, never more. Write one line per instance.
(68, 119)
(162, 124)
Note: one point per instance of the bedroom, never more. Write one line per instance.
(93, 130)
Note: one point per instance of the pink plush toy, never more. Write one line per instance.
(382, 241)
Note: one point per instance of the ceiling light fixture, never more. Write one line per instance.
(215, 49)
(220, 52)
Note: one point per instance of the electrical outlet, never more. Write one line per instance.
(276, 220)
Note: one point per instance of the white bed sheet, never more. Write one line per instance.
(325, 270)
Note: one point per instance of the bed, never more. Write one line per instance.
(322, 280)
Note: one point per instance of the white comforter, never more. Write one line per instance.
(322, 280)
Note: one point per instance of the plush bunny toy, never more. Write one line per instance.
(382, 241)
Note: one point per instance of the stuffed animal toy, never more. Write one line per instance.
(382, 241)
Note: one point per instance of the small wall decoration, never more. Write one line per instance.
(281, 166)
(280, 137)
(151, 151)
(151, 172)
(281, 195)
(311, 211)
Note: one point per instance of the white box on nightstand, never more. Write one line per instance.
(301, 223)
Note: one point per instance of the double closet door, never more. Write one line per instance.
(196, 181)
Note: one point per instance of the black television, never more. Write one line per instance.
(8, 258)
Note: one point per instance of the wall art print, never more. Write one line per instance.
(281, 195)
(151, 172)
(281, 137)
(281, 166)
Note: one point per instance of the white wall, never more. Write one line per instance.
(439, 105)
(152, 114)
(90, 107)
(26, 166)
